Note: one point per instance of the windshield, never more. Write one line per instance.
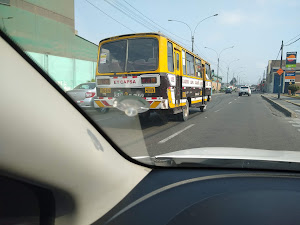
(161, 89)
(142, 56)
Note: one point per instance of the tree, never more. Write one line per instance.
(294, 88)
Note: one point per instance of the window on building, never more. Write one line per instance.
(190, 64)
(183, 63)
(198, 68)
(170, 57)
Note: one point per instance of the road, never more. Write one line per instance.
(229, 121)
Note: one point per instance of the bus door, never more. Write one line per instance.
(178, 88)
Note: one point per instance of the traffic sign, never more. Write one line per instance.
(280, 71)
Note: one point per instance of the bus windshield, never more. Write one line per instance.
(142, 55)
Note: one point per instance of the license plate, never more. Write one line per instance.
(105, 90)
(118, 94)
(149, 89)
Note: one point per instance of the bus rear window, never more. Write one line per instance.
(141, 54)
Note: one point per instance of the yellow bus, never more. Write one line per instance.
(153, 67)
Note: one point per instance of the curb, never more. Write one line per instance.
(280, 107)
(293, 103)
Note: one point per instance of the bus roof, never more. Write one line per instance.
(154, 33)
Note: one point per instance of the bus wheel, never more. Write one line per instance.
(185, 113)
(144, 117)
(202, 108)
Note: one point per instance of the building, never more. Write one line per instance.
(216, 83)
(46, 32)
(273, 78)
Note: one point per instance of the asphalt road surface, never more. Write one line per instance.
(229, 121)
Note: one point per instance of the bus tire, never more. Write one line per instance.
(164, 117)
(202, 108)
(185, 113)
(144, 117)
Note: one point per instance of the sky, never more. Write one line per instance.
(255, 28)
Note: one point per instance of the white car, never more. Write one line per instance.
(244, 90)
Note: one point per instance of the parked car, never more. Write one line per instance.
(84, 94)
(245, 90)
(228, 91)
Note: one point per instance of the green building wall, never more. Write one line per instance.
(45, 30)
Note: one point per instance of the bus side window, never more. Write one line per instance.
(207, 72)
(183, 63)
(193, 66)
(170, 57)
(198, 68)
(190, 64)
(177, 61)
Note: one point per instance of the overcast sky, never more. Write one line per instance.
(255, 27)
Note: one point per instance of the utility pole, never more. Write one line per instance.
(227, 75)
(218, 74)
(280, 78)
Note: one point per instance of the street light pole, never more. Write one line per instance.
(192, 34)
(218, 66)
(228, 68)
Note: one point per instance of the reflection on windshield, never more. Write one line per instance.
(177, 98)
(142, 56)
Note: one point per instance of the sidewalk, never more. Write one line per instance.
(295, 101)
(290, 103)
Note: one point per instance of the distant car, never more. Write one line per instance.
(228, 91)
(84, 94)
(244, 90)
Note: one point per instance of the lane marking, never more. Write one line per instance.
(297, 110)
(296, 125)
(238, 97)
(234, 99)
(218, 110)
(299, 130)
(175, 134)
(205, 117)
(229, 102)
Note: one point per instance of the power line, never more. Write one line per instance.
(278, 53)
(154, 21)
(125, 8)
(293, 42)
(133, 13)
(125, 13)
(294, 38)
(109, 15)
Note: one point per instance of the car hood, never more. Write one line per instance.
(220, 156)
(235, 153)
